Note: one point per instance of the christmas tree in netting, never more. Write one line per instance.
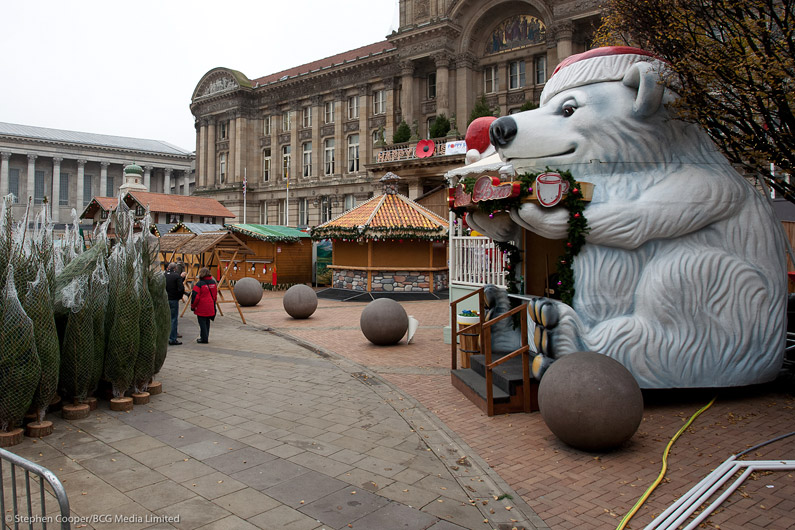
(98, 288)
(38, 307)
(162, 312)
(20, 370)
(77, 347)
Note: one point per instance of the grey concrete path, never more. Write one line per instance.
(255, 431)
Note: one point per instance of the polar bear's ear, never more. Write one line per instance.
(643, 77)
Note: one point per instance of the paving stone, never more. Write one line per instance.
(284, 518)
(365, 479)
(379, 466)
(231, 522)
(320, 463)
(343, 507)
(185, 470)
(129, 516)
(213, 485)
(137, 444)
(160, 456)
(452, 510)
(305, 489)
(210, 448)
(159, 495)
(238, 460)
(408, 494)
(269, 474)
(395, 516)
(246, 502)
(193, 513)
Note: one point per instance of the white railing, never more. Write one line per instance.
(476, 261)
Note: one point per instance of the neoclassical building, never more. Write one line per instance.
(313, 141)
(66, 169)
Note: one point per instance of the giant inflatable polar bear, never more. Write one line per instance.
(683, 275)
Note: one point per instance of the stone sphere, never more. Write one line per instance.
(590, 401)
(384, 322)
(248, 291)
(300, 301)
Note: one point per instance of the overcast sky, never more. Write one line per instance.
(129, 68)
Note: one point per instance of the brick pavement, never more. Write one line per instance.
(565, 487)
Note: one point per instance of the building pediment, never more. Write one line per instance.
(220, 81)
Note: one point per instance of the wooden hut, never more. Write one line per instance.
(282, 255)
(388, 244)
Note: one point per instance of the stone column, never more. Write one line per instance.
(442, 85)
(186, 180)
(231, 154)
(201, 153)
(103, 179)
(563, 34)
(341, 115)
(148, 177)
(211, 178)
(239, 130)
(407, 93)
(296, 154)
(365, 138)
(465, 88)
(4, 156)
(31, 175)
(55, 202)
(391, 106)
(317, 147)
(167, 180)
(81, 171)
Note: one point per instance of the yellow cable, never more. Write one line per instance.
(648, 492)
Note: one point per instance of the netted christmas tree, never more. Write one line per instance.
(123, 332)
(20, 370)
(98, 288)
(38, 307)
(77, 347)
(162, 312)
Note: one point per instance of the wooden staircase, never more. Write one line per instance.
(496, 386)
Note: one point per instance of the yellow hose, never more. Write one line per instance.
(645, 496)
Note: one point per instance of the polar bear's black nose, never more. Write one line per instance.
(502, 131)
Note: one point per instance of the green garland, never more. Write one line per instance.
(578, 228)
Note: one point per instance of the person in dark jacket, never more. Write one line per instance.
(203, 299)
(176, 290)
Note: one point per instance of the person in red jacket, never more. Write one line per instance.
(202, 303)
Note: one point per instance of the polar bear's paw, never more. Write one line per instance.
(546, 316)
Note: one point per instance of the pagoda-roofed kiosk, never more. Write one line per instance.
(282, 254)
(387, 244)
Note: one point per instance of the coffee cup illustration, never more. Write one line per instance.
(550, 188)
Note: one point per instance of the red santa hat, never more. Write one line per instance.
(609, 63)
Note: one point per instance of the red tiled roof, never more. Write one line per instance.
(328, 61)
(107, 203)
(388, 212)
(182, 204)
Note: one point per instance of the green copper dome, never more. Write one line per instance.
(134, 168)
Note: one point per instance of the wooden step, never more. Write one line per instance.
(507, 376)
(473, 386)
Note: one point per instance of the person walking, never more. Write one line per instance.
(175, 288)
(203, 299)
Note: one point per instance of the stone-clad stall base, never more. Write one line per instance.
(390, 281)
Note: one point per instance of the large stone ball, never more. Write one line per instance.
(384, 322)
(248, 291)
(590, 401)
(300, 301)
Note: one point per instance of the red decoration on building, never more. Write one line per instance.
(425, 148)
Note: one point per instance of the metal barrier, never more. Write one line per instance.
(13, 518)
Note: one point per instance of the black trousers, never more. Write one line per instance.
(204, 328)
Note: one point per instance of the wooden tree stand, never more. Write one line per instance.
(155, 387)
(91, 402)
(38, 429)
(121, 404)
(55, 404)
(12, 437)
(75, 411)
(140, 398)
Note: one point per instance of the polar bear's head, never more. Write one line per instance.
(607, 105)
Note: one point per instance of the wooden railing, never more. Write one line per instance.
(484, 330)
(407, 151)
(524, 351)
